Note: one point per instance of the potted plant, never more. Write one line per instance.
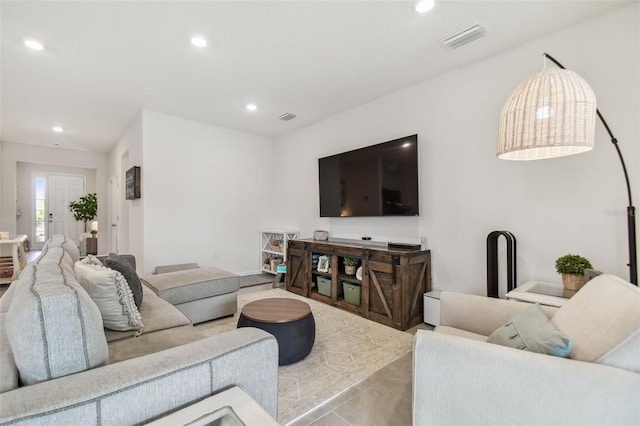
(85, 208)
(572, 267)
(350, 265)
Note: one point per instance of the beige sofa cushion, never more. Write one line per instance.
(599, 317)
(158, 314)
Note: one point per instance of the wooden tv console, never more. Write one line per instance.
(392, 286)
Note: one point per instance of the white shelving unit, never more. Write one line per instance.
(273, 248)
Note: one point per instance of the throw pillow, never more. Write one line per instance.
(109, 290)
(129, 274)
(91, 260)
(599, 317)
(532, 331)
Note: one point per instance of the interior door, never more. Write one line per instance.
(115, 191)
(64, 189)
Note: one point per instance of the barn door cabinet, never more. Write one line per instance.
(390, 287)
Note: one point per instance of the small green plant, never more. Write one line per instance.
(572, 264)
(348, 261)
(85, 208)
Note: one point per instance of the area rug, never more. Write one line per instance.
(347, 350)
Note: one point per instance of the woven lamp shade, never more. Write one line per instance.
(550, 114)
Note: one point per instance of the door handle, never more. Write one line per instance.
(50, 217)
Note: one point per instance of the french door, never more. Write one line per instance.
(64, 189)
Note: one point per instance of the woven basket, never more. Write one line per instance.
(572, 282)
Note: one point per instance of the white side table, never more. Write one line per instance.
(232, 407)
(550, 294)
(16, 259)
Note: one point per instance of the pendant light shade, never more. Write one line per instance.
(550, 114)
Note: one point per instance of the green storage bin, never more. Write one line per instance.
(352, 292)
(324, 286)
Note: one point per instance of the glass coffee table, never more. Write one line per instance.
(233, 407)
(549, 294)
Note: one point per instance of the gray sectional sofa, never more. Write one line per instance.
(58, 365)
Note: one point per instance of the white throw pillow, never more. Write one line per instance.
(110, 291)
(92, 260)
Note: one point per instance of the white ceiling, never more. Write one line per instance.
(105, 61)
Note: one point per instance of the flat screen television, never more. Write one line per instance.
(378, 180)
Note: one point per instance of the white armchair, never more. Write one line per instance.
(459, 378)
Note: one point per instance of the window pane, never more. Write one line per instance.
(40, 187)
(40, 210)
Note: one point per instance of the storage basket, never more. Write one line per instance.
(352, 292)
(324, 286)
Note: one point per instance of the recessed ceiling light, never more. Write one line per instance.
(33, 44)
(199, 41)
(424, 6)
(57, 129)
(252, 107)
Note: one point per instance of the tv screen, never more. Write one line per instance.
(378, 180)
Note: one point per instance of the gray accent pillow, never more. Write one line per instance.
(117, 263)
(532, 331)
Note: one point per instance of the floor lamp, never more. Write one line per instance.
(553, 114)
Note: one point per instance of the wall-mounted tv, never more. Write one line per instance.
(378, 180)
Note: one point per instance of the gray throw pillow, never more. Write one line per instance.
(532, 331)
(129, 274)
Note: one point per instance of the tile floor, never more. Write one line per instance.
(384, 399)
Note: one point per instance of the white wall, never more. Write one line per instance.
(573, 204)
(126, 153)
(205, 191)
(13, 153)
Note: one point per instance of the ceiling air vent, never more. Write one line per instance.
(465, 36)
(287, 116)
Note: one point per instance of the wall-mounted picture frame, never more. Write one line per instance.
(132, 186)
